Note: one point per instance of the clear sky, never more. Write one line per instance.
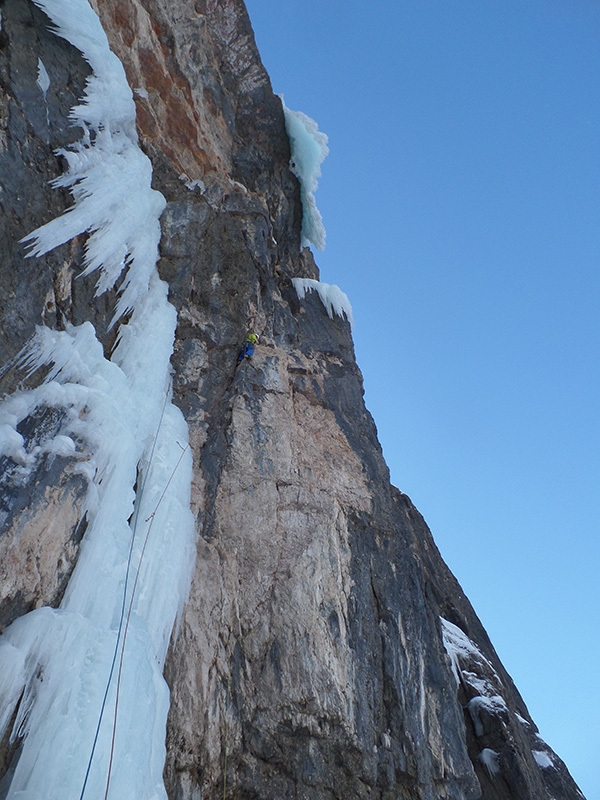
(461, 199)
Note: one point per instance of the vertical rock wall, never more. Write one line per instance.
(310, 661)
(41, 517)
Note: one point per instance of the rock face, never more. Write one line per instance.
(311, 660)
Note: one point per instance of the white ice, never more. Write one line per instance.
(43, 79)
(542, 759)
(309, 149)
(493, 705)
(458, 645)
(489, 759)
(124, 434)
(487, 684)
(333, 298)
(108, 175)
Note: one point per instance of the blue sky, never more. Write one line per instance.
(461, 199)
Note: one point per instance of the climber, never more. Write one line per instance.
(248, 348)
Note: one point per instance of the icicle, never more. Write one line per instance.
(123, 431)
(332, 297)
(309, 149)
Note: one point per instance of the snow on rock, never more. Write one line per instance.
(309, 149)
(542, 759)
(460, 647)
(43, 79)
(473, 670)
(12, 445)
(333, 298)
(492, 705)
(489, 759)
(486, 706)
(522, 720)
(70, 398)
(134, 567)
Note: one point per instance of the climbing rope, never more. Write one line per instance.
(122, 616)
(150, 519)
(124, 621)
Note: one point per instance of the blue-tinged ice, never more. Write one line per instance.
(309, 149)
(122, 432)
(108, 175)
(542, 759)
(333, 298)
(43, 79)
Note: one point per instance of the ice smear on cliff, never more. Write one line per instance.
(492, 705)
(106, 169)
(332, 297)
(489, 759)
(458, 646)
(131, 443)
(542, 759)
(465, 657)
(309, 149)
(43, 79)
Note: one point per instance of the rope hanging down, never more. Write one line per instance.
(150, 519)
(123, 605)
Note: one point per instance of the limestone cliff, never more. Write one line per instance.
(325, 650)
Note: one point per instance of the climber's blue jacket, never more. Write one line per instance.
(248, 348)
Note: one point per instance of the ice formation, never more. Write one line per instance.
(309, 149)
(43, 79)
(542, 759)
(464, 656)
(489, 759)
(459, 646)
(60, 668)
(332, 297)
(108, 175)
(492, 705)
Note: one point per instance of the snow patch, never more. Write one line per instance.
(60, 446)
(309, 149)
(238, 185)
(492, 705)
(458, 645)
(333, 298)
(489, 759)
(43, 79)
(522, 720)
(542, 759)
(12, 445)
(485, 683)
(191, 185)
